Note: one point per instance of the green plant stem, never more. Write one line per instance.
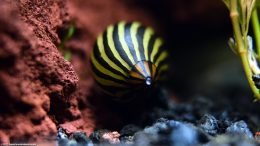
(66, 53)
(236, 28)
(241, 46)
(256, 29)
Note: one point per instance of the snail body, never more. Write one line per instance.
(126, 58)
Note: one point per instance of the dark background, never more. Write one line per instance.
(196, 32)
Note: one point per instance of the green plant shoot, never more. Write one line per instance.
(241, 12)
(66, 53)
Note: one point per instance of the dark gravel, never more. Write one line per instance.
(199, 121)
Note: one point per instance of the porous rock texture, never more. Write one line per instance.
(36, 82)
(39, 90)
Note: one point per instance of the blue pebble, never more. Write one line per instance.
(209, 124)
(240, 128)
(184, 135)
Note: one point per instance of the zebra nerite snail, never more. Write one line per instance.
(127, 59)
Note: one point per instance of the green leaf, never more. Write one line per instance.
(227, 3)
(70, 31)
(67, 55)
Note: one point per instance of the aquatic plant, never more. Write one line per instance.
(241, 13)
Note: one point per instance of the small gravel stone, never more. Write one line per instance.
(129, 130)
(76, 139)
(208, 124)
(160, 125)
(82, 139)
(105, 136)
(184, 135)
(239, 127)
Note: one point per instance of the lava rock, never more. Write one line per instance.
(170, 132)
(201, 129)
(159, 125)
(184, 135)
(96, 135)
(224, 121)
(62, 137)
(82, 139)
(76, 139)
(157, 134)
(128, 140)
(208, 124)
(239, 127)
(129, 130)
(105, 136)
(127, 134)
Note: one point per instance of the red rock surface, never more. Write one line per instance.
(39, 90)
(33, 73)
